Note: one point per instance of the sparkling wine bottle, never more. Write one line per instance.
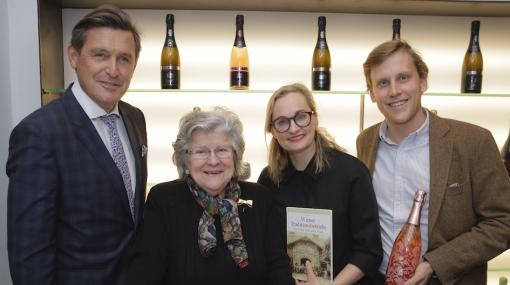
(396, 29)
(170, 61)
(472, 67)
(239, 63)
(321, 60)
(406, 251)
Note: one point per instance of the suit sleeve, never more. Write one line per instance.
(31, 206)
(490, 235)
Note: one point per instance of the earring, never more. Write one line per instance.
(186, 171)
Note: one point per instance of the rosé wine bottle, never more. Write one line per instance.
(406, 251)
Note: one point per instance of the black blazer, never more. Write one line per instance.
(68, 214)
(166, 247)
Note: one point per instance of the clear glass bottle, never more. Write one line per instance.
(239, 62)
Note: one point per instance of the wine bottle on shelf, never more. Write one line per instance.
(321, 61)
(396, 29)
(239, 63)
(471, 80)
(406, 252)
(505, 154)
(503, 280)
(170, 61)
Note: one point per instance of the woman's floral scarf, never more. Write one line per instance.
(231, 224)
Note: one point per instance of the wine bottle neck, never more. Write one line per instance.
(321, 38)
(415, 214)
(396, 33)
(474, 45)
(170, 38)
(396, 29)
(239, 40)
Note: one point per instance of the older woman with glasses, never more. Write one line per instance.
(207, 227)
(306, 168)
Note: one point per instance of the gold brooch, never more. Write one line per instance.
(245, 202)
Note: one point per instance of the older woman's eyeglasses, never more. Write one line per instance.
(301, 119)
(202, 153)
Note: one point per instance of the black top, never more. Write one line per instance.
(166, 246)
(345, 187)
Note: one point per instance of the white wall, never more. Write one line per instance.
(5, 126)
(20, 82)
(280, 46)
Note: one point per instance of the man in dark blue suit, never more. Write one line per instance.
(78, 166)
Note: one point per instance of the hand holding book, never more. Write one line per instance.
(312, 279)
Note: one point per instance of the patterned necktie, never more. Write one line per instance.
(118, 156)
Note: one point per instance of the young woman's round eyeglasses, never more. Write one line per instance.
(301, 119)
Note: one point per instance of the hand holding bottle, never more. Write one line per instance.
(422, 274)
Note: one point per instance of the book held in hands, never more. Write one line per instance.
(309, 237)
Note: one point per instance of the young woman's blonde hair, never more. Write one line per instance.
(278, 158)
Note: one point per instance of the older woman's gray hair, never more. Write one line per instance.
(219, 120)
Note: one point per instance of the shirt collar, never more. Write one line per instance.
(414, 139)
(91, 108)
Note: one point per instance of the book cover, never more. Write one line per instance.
(310, 237)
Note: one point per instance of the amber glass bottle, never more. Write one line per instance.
(396, 29)
(321, 60)
(472, 67)
(170, 61)
(406, 251)
(239, 63)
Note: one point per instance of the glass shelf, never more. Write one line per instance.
(333, 92)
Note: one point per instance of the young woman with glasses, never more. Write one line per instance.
(306, 168)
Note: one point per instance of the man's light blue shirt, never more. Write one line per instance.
(400, 170)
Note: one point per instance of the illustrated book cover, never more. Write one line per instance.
(309, 237)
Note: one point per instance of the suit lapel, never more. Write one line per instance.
(372, 148)
(88, 136)
(440, 159)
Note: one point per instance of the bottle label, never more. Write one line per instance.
(170, 77)
(239, 77)
(473, 82)
(170, 40)
(403, 262)
(321, 78)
